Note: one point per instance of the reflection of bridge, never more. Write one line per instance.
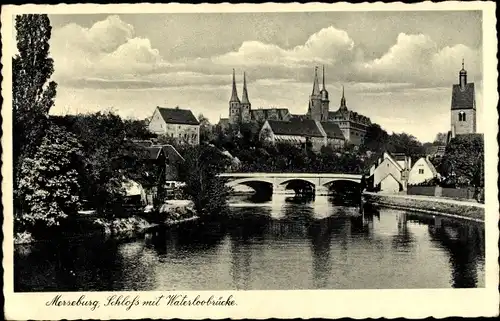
(284, 183)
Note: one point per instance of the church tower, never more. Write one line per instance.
(315, 105)
(463, 106)
(325, 102)
(245, 105)
(343, 105)
(234, 105)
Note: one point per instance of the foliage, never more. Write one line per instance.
(31, 68)
(463, 162)
(49, 181)
(441, 139)
(204, 187)
(137, 129)
(378, 140)
(109, 158)
(32, 93)
(206, 130)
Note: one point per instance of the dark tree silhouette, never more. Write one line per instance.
(33, 93)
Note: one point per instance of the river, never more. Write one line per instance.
(284, 243)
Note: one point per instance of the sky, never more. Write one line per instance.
(397, 68)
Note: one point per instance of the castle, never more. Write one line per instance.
(352, 124)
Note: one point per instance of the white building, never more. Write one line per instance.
(422, 171)
(178, 124)
(390, 172)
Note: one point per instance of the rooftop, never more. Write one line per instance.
(178, 116)
(463, 99)
(295, 128)
(332, 130)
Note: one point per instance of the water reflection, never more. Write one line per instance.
(278, 243)
(465, 245)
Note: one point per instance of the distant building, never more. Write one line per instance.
(165, 157)
(463, 106)
(302, 132)
(390, 173)
(352, 125)
(422, 171)
(240, 111)
(179, 124)
(436, 151)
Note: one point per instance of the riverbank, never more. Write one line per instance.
(428, 204)
(89, 222)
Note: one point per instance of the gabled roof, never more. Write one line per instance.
(463, 99)
(170, 152)
(332, 130)
(154, 152)
(178, 116)
(431, 166)
(306, 128)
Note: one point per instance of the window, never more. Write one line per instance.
(461, 116)
(420, 170)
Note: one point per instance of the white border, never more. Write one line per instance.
(280, 304)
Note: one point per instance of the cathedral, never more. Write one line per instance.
(352, 124)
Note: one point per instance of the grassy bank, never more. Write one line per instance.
(431, 205)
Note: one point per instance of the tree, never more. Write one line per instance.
(375, 139)
(33, 94)
(137, 129)
(463, 160)
(49, 181)
(205, 129)
(441, 139)
(204, 187)
(109, 159)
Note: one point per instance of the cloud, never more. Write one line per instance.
(110, 53)
(327, 46)
(417, 58)
(108, 48)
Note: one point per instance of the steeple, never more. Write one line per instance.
(324, 92)
(462, 77)
(324, 77)
(342, 100)
(234, 94)
(244, 97)
(315, 91)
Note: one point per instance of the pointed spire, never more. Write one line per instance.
(234, 94)
(342, 100)
(315, 91)
(462, 76)
(323, 77)
(244, 97)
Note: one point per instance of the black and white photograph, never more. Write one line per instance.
(248, 151)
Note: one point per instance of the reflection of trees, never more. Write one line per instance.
(345, 192)
(404, 239)
(70, 265)
(465, 245)
(320, 235)
(187, 238)
(241, 258)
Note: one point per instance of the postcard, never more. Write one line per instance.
(250, 161)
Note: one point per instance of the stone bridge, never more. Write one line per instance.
(320, 182)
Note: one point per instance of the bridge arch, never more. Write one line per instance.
(249, 181)
(329, 182)
(286, 181)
